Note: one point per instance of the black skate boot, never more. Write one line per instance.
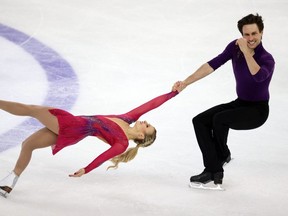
(200, 181)
(226, 160)
(218, 178)
(203, 178)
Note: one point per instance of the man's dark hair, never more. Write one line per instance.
(251, 19)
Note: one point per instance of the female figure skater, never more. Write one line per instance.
(63, 129)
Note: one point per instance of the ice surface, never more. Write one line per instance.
(124, 53)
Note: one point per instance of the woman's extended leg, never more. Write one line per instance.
(41, 113)
(40, 139)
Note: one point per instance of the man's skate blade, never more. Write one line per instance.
(206, 187)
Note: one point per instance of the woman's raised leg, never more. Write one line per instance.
(41, 113)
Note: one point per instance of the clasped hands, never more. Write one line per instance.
(179, 86)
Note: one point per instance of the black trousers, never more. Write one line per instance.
(212, 127)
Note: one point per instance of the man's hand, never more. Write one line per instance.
(243, 45)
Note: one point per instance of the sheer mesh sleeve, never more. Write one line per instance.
(135, 114)
(115, 150)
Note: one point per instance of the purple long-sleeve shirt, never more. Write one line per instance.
(248, 87)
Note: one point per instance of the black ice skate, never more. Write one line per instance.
(7, 184)
(201, 181)
(227, 160)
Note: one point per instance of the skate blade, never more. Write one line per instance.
(205, 187)
(3, 193)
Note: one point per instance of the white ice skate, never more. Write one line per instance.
(7, 184)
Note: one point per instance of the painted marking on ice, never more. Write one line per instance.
(62, 82)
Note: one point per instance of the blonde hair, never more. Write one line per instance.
(131, 153)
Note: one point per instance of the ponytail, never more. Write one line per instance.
(131, 153)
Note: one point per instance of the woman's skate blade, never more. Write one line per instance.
(3, 193)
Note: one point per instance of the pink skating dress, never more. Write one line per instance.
(72, 129)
